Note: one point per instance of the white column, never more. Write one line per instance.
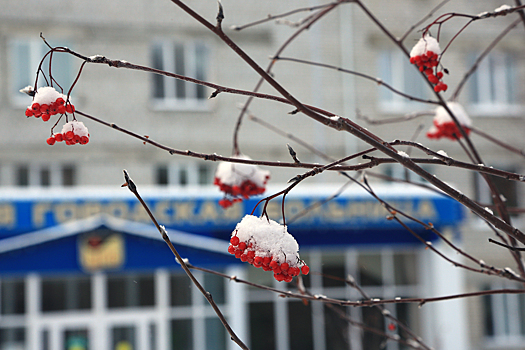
(33, 314)
(162, 295)
(449, 328)
(237, 307)
(99, 333)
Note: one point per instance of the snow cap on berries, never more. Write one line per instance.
(461, 115)
(78, 128)
(265, 243)
(239, 181)
(426, 43)
(444, 126)
(270, 238)
(47, 95)
(235, 173)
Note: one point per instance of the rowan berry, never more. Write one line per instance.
(51, 141)
(305, 270)
(234, 240)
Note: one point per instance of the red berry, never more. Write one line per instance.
(84, 140)
(53, 109)
(305, 270)
(267, 260)
(45, 117)
(242, 245)
(29, 112)
(433, 79)
(244, 257)
(44, 108)
(70, 108)
(288, 278)
(35, 107)
(60, 101)
(251, 254)
(69, 135)
(278, 277)
(59, 137)
(439, 75)
(285, 266)
(61, 109)
(231, 249)
(51, 141)
(257, 261)
(412, 60)
(234, 240)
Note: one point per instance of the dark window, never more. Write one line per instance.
(262, 329)
(130, 291)
(68, 175)
(180, 290)
(22, 175)
(13, 297)
(66, 294)
(45, 177)
(300, 323)
(215, 334)
(181, 335)
(161, 176)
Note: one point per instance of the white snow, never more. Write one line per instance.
(442, 116)
(77, 127)
(47, 95)
(235, 173)
(502, 8)
(442, 153)
(269, 239)
(427, 43)
(403, 154)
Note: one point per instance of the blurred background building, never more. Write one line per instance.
(81, 267)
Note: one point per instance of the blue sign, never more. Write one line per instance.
(59, 231)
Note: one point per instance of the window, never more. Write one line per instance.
(382, 274)
(183, 174)
(45, 175)
(395, 69)
(493, 84)
(59, 294)
(130, 291)
(25, 56)
(508, 189)
(184, 58)
(12, 293)
(504, 317)
(194, 325)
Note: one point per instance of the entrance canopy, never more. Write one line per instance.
(97, 228)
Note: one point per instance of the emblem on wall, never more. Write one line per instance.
(101, 251)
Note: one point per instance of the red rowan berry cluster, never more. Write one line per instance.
(72, 133)
(425, 56)
(444, 126)
(48, 102)
(266, 244)
(239, 181)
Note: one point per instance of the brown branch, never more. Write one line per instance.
(286, 14)
(133, 188)
(378, 81)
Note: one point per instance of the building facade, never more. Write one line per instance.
(144, 306)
